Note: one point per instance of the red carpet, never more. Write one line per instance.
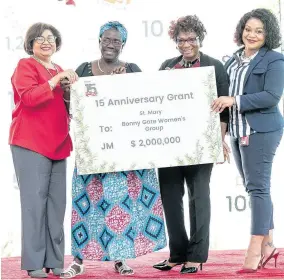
(221, 265)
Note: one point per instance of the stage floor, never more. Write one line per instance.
(221, 265)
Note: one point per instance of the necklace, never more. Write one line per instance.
(109, 72)
(188, 64)
(246, 58)
(43, 64)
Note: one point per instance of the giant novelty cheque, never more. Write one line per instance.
(145, 120)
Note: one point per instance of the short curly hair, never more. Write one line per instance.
(187, 24)
(271, 28)
(35, 31)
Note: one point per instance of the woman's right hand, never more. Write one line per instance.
(119, 70)
(69, 74)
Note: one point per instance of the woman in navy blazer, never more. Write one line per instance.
(256, 75)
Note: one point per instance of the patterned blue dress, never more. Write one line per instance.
(116, 216)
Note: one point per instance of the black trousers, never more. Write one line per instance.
(197, 178)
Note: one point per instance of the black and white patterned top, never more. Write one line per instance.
(238, 125)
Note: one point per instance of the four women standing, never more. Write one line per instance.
(40, 144)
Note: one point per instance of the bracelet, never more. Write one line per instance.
(51, 84)
(68, 101)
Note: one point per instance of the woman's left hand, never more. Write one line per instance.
(119, 70)
(221, 103)
(65, 85)
(226, 151)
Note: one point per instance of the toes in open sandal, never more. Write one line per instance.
(73, 270)
(122, 268)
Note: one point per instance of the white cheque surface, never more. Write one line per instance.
(146, 120)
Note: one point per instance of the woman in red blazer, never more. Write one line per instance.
(40, 143)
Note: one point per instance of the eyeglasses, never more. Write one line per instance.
(50, 39)
(106, 41)
(191, 41)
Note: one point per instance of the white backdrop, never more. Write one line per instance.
(148, 45)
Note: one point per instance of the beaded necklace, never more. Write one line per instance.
(43, 64)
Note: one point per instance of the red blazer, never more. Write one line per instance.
(40, 120)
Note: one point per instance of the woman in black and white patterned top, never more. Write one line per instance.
(256, 125)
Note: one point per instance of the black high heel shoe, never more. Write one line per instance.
(191, 269)
(164, 265)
